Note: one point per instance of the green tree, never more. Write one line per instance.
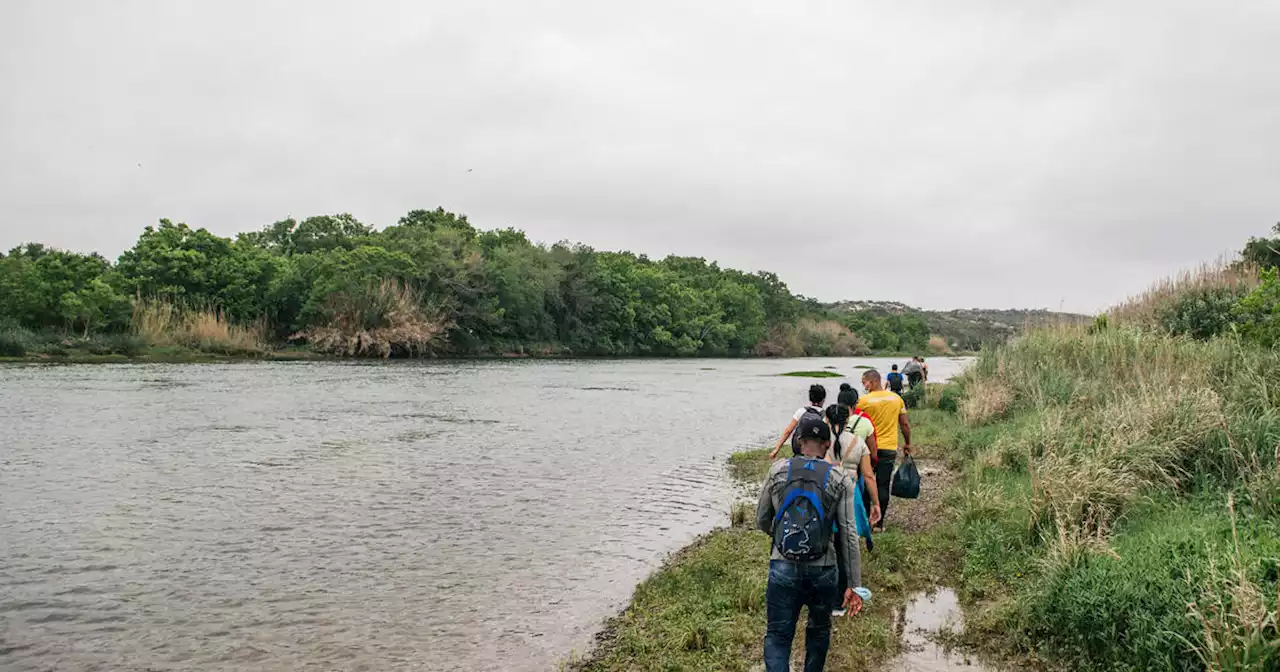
(42, 287)
(1259, 312)
(194, 265)
(1263, 252)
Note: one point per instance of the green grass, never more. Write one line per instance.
(813, 374)
(751, 466)
(1093, 514)
(704, 609)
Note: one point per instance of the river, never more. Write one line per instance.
(407, 515)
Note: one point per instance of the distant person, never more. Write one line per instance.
(913, 371)
(924, 368)
(801, 499)
(894, 379)
(889, 415)
(817, 396)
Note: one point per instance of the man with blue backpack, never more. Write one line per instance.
(807, 505)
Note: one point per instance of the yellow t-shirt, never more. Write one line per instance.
(884, 407)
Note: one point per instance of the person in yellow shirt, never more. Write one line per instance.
(889, 416)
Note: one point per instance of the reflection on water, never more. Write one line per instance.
(278, 516)
(924, 615)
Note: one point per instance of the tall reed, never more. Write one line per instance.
(163, 322)
(1144, 309)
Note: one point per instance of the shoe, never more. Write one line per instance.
(837, 613)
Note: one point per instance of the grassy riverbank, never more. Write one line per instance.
(1120, 507)
(1117, 508)
(704, 610)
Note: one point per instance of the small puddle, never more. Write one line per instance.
(919, 621)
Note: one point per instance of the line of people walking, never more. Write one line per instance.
(816, 508)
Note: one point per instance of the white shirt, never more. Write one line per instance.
(800, 413)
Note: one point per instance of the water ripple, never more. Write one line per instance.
(280, 516)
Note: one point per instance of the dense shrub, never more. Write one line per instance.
(814, 338)
(1258, 313)
(1201, 313)
(127, 344)
(949, 400)
(382, 320)
(938, 346)
(14, 341)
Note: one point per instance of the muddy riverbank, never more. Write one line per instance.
(704, 609)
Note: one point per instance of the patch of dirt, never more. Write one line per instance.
(919, 515)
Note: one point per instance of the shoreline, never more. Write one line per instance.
(703, 608)
(186, 356)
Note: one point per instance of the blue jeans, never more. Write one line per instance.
(792, 586)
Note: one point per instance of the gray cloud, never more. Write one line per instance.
(1024, 154)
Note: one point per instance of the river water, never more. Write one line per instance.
(426, 515)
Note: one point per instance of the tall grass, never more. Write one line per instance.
(1110, 434)
(1226, 274)
(165, 323)
(1239, 629)
(379, 320)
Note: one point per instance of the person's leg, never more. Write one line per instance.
(884, 474)
(820, 588)
(866, 503)
(783, 599)
(842, 581)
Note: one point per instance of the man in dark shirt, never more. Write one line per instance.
(894, 379)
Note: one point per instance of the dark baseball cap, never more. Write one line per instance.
(813, 428)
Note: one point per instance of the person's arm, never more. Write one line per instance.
(786, 434)
(764, 506)
(852, 556)
(905, 426)
(873, 444)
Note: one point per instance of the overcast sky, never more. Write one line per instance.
(1018, 154)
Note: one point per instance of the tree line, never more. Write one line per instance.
(433, 281)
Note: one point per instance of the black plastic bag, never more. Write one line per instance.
(906, 480)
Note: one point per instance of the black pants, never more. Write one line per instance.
(884, 474)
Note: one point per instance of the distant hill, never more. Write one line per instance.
(966, 328)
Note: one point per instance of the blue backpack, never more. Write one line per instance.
(804, 522)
